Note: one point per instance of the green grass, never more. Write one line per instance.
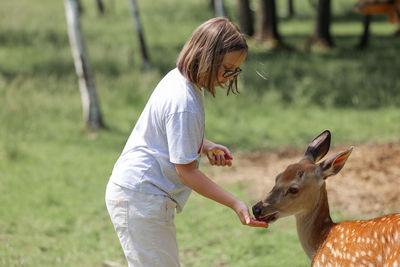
(53, 172)
(225, 242)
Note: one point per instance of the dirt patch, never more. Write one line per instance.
(368, 185)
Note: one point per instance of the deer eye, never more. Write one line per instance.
(293, 190)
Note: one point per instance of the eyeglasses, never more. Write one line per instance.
(231, 73)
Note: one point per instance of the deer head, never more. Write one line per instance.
(298, 188)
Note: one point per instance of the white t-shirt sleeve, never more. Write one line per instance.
(184, 132)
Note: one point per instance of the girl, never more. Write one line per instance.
(158, 167)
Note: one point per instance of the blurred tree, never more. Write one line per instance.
(245, 16)
(322, 38)
(80, 7)
(100, 6)
(99, 3)
(218, 7)
(268, 24)
(91, 108)
(138, 25)
(290, 9)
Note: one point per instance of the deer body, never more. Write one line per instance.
(373, 242)
(300, 190)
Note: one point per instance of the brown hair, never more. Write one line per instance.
(202, 55)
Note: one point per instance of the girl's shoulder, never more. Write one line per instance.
(175, 94)
(174, 86)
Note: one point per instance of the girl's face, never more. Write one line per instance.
(230, 66)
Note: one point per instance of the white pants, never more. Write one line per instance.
(145, 226)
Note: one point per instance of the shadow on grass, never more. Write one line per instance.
(341, 77)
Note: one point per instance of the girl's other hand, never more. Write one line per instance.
(218, 155)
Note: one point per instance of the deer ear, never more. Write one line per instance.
(318, 147)
(334, 164)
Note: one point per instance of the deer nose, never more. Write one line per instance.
(257, 209)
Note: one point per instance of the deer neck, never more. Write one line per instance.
(313, 225)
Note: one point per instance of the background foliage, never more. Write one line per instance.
(53, 173)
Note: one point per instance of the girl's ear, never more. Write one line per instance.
(318, 147)
(333, 165)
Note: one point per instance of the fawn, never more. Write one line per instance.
(300, 190)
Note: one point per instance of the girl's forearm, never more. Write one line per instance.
(200, 183)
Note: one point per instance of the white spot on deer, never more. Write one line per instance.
(338, 253)
(379, 258)
(363, 253)
(333, 252)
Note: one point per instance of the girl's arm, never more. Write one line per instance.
(199, 182)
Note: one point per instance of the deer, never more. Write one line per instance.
(300, 190)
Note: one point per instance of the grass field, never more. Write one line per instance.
(53, 172)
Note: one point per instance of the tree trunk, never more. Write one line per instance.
(245, 16)
(80, 7)
(219, 8)
(268, 24)
(138, 26)
(322, 35)
(364, 40)
(100, 6)
(290, 9)
(91, 109)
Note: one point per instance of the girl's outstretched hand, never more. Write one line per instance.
(242, 211)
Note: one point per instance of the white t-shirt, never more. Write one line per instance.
(169, 130)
